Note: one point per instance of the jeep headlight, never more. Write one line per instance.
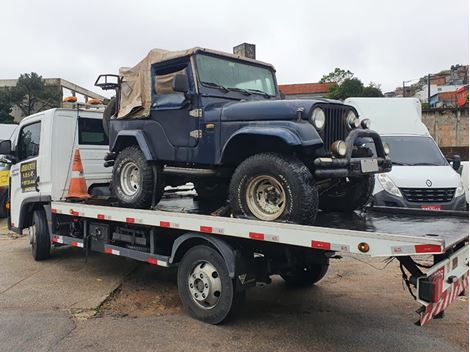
(460, 190)
(318, 118)
(388, 185)
(352, 120)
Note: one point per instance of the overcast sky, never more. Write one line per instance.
(381, 41)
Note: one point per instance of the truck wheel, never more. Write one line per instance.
(348, 196)
(215, 191)
(205, 288)
(133, 179)
(109, 111)
(39, 236)
(274, 187)
(305, 276)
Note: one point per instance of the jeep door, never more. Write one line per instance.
(25, 173)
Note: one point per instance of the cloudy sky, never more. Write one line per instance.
(381, 41)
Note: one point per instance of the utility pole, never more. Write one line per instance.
(404, 94)
(429, 88)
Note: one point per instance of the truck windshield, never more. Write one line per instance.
(406, 150)
(228, 74)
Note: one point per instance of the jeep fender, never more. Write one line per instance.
(123, 138)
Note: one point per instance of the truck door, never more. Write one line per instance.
(26, 173)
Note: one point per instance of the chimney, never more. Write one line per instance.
(246, 50)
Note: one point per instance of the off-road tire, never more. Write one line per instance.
(142, 199)
(109, 111)
(297, 182)
(40, 241)
(212, 190)
(305, 276)
(229, 299)
(349, 196)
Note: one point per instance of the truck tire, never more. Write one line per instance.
(133, 182)
(349, 196)
(212, 191)
(109, 111)
(274, 187)
(3, 203)
(205, 288)
(305, 276)
(39, 236)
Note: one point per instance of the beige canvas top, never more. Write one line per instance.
(136, 86)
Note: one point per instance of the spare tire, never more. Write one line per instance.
(107, 114)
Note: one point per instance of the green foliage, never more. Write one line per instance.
(31, 95)
(338, 76)
(372, 90)
(5, 107)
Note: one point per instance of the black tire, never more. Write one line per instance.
(109, 111)
(286, 172)
(40, 239)
(3, 202)
(212, 190)
(349, 196)
(228, 299)
(144, 184)
(305, 276)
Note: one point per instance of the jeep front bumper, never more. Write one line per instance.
(350, 166)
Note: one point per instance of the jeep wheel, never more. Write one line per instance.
(212, 190)
(109, 111)
(133, 181)
(348, 195)
(274, 187)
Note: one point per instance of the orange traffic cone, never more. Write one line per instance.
(78, 188)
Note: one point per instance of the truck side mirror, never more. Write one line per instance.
(180, 83)
(456, 162)
(5, 147)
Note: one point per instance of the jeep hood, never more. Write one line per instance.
(266, 109)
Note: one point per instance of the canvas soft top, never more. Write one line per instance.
(136, 86)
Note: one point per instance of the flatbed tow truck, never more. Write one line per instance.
(219, 257)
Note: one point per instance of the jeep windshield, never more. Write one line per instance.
(228, 75)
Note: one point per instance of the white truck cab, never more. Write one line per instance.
(41, 160)
(421, 177)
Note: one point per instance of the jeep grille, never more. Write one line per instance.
(335, 126)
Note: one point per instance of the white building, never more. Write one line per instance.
(422, 95)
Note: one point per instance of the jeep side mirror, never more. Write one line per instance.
(180, 83)
(456, 162)
(5, 147)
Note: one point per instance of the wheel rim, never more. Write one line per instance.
(130, 178)
(205, 285)
(32, 234)
(266, 197)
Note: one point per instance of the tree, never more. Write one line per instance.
(351, 87)
(372, 90)
(31, 95)
(5, 107)
(338, 76)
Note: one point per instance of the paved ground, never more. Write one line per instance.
(111, 304)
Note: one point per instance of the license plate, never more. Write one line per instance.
(431, 207)
(369, 165)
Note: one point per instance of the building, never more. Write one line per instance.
(462, 96)
(305, 90)
(65, 87)
(422, 94)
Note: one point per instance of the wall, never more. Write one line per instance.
(449, 127)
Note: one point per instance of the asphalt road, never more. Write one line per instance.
(113, 304)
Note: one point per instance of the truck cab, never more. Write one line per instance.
(41, 159)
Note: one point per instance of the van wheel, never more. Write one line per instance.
(39, 236)
(133, 179)
(108, 112)
(348, 195)
(274, 187)
(305, 276)
(205, 288)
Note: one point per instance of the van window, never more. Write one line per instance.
(28, 141)
(414, 150)
(90, 132)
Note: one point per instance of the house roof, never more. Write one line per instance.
(305, 88)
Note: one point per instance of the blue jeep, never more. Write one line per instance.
(218, 120)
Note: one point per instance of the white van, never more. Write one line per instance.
(41, 159)
(421, 177)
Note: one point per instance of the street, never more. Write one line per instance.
(113, 304)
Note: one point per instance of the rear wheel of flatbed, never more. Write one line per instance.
(39, 236)
(205, 288)
(304, 276)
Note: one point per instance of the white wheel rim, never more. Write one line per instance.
(205, 285)
(130, 179)
(266, 198)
